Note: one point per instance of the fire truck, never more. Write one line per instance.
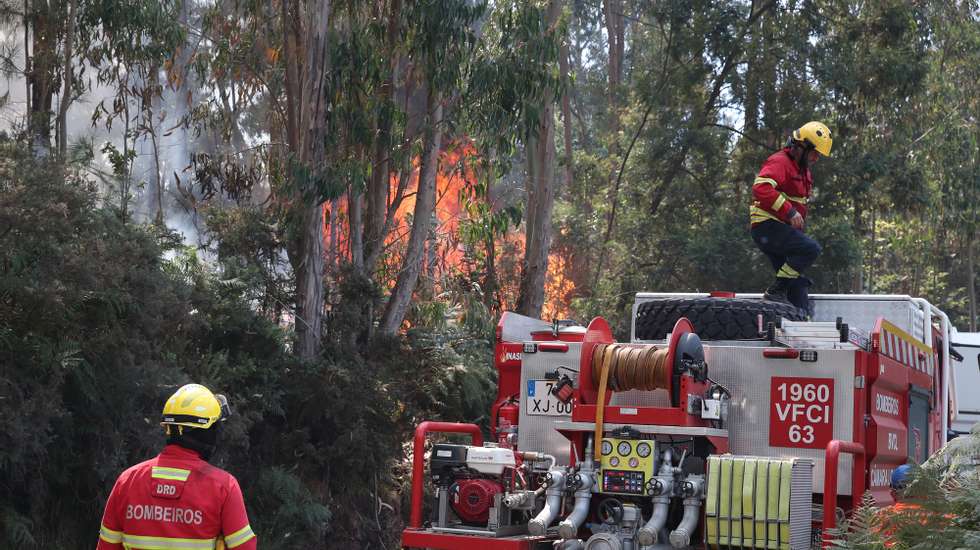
(724, 422)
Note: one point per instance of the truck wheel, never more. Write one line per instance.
(713, 318)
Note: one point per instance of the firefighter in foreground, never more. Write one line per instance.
(178, 500)
(779, 209)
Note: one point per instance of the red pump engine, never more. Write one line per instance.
(473, 498)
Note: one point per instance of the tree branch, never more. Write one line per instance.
(743, 134)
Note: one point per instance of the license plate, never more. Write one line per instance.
(540, 402)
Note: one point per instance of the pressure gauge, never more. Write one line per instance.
(606, 447)
(614, 461)
(634, 462)
(624, 448)
(643, 449)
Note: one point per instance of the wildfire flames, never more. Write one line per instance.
(447, 258)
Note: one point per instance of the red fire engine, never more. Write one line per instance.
(725, 421)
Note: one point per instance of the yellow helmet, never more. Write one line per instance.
(816, 134)
(194, 406)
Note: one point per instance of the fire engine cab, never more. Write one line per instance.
(724, 422)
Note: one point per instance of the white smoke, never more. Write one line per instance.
(163, 161)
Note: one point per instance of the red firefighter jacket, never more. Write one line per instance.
(176, 500)
(779, 189)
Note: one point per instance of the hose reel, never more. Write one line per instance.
(630, 367)
(607, 365)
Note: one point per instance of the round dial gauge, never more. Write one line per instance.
(624, 448)
(606, 447)
(614, 461)
(643, 449)
(634, 462)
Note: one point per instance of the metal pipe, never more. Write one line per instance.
(945, 329)
(552, 506)
(520, 498)
(832, 457)
(681, 537)
(443, 493)
(551, 461)
(648, 534)
(418, 459)
(569, 527)
(534, 456)
(842, 297)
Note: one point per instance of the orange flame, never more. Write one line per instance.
(558, 288)
(445, 256)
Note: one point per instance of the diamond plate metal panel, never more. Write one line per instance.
(537, 433)
(747, 374)
(862, 314)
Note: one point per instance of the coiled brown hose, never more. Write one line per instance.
(631, 367)
(623, 367)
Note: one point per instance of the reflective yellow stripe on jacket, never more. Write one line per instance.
(176, 474)
(782, 196)
(239, 537)
(165, 543)
(757, 215)
(110, 536)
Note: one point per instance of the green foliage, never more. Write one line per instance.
(894, 208)
(513, 71)
(441, 35)
(295, 509)
(935, 512)
(101, 319)
(862, 531)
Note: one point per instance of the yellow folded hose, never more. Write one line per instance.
(623, 367)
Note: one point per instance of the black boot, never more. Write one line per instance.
(799, 294)
(778, 291)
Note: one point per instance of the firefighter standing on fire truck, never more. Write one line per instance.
(178, 500)
(779, 208)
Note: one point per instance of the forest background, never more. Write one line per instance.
(320, 208)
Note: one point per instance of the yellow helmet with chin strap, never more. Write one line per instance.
(815, 134)
(194, 406)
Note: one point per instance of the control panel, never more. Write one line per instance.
(626, 465)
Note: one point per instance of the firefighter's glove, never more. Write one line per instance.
(796, 220)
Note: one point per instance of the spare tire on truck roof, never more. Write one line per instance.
(713, 318)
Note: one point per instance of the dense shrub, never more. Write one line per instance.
(101, 318)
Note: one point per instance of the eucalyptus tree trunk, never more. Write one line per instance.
(67, 76)
(355, 211)
(541, 184)
(306, 126)
(616, 33)
(41, 79)
(375, 226)
(540, 204)
(566, 112)
(425, 203)
(971, 284)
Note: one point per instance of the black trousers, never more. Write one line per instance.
(783, 244)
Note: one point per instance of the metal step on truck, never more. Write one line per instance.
(724, 422)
